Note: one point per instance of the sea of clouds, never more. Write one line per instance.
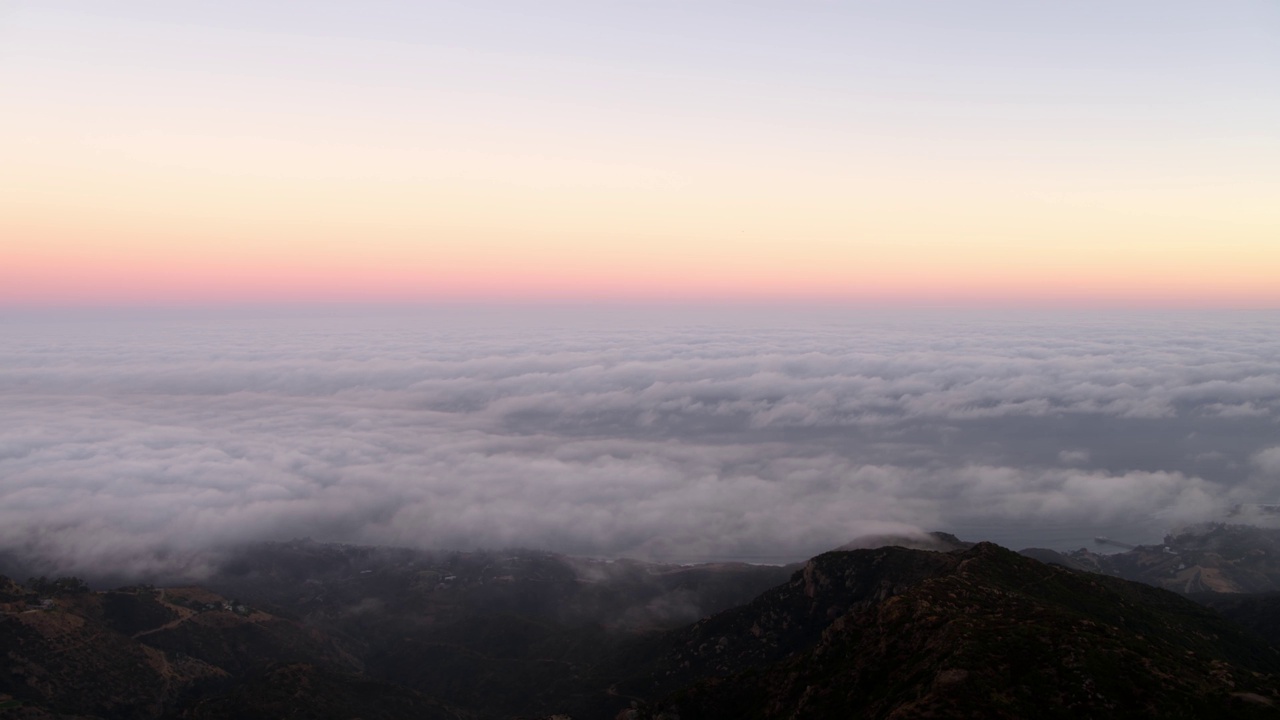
(138, 443)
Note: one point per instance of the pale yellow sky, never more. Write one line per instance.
(171, 158)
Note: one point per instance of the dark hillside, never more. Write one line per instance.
(1257, 612)
(305, 692)
(987, 633)
(889, 632)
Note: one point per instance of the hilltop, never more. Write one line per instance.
(983, 632)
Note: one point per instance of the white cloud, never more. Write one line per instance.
(1073, 457)
(139, 445)
(1268, 461)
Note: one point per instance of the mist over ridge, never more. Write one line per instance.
(138, 444)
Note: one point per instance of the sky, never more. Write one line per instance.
(682, 281)
(1104, 154)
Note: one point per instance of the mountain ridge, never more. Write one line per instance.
(1004, 636)
(887, 631)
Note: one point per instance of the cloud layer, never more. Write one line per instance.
(138, 444)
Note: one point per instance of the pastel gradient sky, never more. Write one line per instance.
(943, 152)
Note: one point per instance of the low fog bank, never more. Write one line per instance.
(135, 446)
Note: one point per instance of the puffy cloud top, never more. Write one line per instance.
(138, 444)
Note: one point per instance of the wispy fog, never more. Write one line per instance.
(137, 443)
